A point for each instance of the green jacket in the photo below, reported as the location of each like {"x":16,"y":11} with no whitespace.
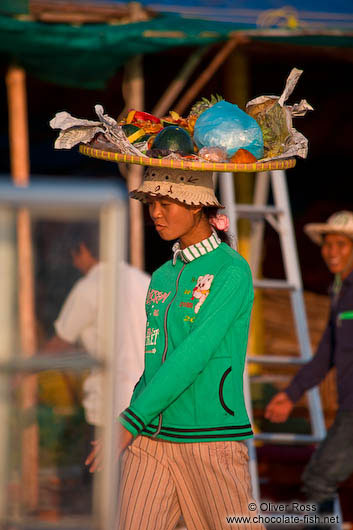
{"x":198,"y":311}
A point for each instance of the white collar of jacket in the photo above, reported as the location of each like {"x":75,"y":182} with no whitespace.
{"x":197,"y":250}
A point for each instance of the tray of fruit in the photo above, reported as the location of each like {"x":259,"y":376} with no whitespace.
{"x":216,"y":135}
{"x":186,"y":163}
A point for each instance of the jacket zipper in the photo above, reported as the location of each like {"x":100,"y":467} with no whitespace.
{"x":166,"y":341}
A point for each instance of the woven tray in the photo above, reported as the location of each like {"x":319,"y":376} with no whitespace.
{"x":186,"y":164}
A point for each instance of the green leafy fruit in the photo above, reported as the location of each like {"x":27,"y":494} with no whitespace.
{"x":200,"y":106}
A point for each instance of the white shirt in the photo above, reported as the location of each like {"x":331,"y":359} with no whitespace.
{"x":78,"y":323}
{"x":78,"y":319}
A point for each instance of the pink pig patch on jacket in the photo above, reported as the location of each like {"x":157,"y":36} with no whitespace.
{"x":202,"y":290}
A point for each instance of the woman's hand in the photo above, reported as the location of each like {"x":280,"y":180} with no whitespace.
{"x":124,"y":439}
{"x":279,"y":408}
{"x":94,"y":459}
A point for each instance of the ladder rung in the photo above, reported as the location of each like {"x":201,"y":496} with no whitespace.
{"x":287,"y":437}
{"x":255,"y":212}
{"x":275,"y":359}
{"x":38,"y":363}
{"x":273,"y":284}
{"x":269,"y":378}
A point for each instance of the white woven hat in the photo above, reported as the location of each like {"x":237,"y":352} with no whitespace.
{"x":194,"y":188}
{"x":338,"y":223}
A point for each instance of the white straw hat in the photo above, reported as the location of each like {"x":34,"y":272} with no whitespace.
{"x":338,"y":223}
{"x":194,"y":188}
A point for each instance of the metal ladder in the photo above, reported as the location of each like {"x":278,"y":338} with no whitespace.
{"x":279,"y":217}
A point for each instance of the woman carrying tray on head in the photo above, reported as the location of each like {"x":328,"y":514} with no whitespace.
{"x":185,"y":428}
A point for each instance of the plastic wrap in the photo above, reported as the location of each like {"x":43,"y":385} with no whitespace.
{"x":213,"y":154}
{"x":225,"y":125}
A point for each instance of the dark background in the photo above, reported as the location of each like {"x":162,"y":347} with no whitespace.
{"x":318,"y":186}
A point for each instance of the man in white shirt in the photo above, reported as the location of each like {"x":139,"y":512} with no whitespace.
{"x":77,"y":324}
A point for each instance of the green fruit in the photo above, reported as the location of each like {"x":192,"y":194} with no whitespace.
{"x":167,"y":123}
{"x":130,"y":130}
{"x":200,"y":106}
{"x":174,"y":138}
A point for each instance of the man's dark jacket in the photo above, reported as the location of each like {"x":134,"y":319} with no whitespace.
{"x":335,"y":349}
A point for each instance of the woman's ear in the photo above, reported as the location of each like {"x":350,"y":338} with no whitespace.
{"x":196,"y":209}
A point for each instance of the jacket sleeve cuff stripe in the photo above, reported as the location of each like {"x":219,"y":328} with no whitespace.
{"x":129,"y":424}
{"x":129,"y":411}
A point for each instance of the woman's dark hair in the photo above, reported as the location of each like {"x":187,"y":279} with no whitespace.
{"x":211,"y":211}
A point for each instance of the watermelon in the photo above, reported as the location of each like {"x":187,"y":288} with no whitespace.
{"x":134,"y":133}
{"x":174,"y":138}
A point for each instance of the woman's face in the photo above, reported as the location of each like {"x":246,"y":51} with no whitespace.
{"x":172,"y":220}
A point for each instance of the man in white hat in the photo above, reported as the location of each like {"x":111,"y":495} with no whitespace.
{"x":332,"y":462}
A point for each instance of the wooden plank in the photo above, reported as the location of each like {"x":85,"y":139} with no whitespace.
{"x":206,"y":75}
{"x":57,"y":11}
{"x":133,"y":93}
{"x":19,"y":151}
{"x":177,"y":85}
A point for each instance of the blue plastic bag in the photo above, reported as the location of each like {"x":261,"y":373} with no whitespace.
{"x":226,"y":125}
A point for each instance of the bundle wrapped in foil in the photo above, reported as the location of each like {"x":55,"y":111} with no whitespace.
{"x":281,"y":140}
{"x":75,"y":131}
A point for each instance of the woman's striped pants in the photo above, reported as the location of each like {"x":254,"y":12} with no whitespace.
{"x":208,"y":483}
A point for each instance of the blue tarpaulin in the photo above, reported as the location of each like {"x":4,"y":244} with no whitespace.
{"x":306,"y":14}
